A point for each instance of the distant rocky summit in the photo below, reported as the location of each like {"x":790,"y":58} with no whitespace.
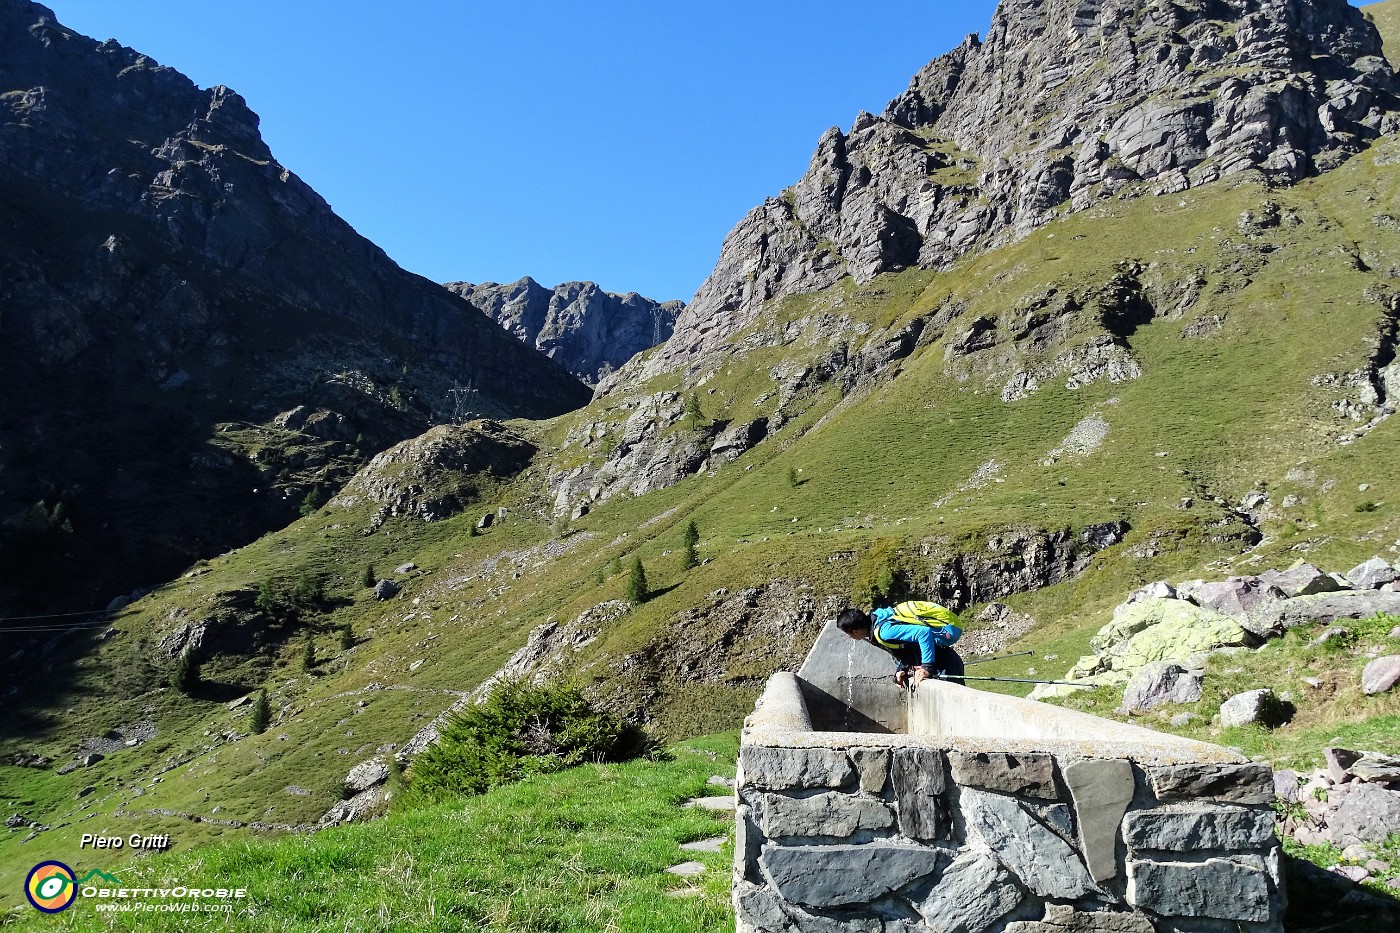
{"x":1064,"y":104}
{"x":586,"y":330}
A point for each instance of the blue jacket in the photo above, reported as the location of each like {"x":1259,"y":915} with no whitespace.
{"x":927,"y":638}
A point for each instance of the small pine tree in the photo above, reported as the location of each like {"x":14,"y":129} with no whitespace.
{"x":692,"y":540}
{"x":637,"y":592}
{"x":184,"y":676}
{"x":792,"y":477}
{"x":313,"y":501}
{"x":308,"y":656}
{"x":693,"y":412}
{"x":347,"y":637}
{"x":615,"y":566}
{"x":370,"y":578}
{"x":261,"y":715}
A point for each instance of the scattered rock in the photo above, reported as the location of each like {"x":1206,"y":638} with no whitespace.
{"x":1373,"y":766}
{"x":1368,"y":814}
{"x":712,"y":844}
{"x":365,"y":775}
{"x":90,"y":760}
{"x":1160,"y":683}
{"x":386,"y":589}
{"x":1238,"y":597}
{"x":1372,"y":574}
{"x":1380,"y":675}
{"x":402,"y":569}
{"x":715,"y":805}
{"x":1338,"y":761}
{"x":687,"y":869}
{"x":1253,"y":706}
{"x":1276,"y":617}
{"x":1302,"y":579}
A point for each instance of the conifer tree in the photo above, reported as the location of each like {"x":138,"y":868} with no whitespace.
{"x":370,"y":578}
{"x":261,"y":715}
{"x":184,"y":676}
{"x":308,"y":657}
{"x":692,"y":539}
{"x":693,"y":412}
{"x":637,"y":592}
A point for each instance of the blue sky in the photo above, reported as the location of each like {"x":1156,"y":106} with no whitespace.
{"x":614,"y":140}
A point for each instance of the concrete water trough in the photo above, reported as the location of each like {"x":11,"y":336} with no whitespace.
{"x":865,"y":807}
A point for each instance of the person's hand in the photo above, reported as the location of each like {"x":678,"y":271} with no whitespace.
{"x":920,"y":675}
{"x":901,"y":677}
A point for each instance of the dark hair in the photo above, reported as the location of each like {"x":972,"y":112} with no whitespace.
{"x":851,"y":620}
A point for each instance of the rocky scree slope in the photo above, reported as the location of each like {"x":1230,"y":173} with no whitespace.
{"x":1064,"y":104}
{"x":586,"y":330}
{"x":169,"y":288}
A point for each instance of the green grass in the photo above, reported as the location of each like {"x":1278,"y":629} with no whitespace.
{"x":580,"y":850}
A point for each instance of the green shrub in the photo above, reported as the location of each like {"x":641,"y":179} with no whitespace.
{"x":308,"y":655}
{"x":1367,"y":506}
{"x":520,"y":730}
{"x":370,"y":578}
{"x":347,"y":637}
{"x":693,"y":413}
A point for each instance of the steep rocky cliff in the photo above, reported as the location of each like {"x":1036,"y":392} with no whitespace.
{"x":1064,"y":104}
{"x":586,"y":330}
{"x":167,"y":289}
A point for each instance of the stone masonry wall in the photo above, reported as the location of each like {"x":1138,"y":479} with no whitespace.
{"x":891,"y":834}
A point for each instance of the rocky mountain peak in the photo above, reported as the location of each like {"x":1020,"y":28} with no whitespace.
{"x":1064,"y":104}
{"x":588,"y":331}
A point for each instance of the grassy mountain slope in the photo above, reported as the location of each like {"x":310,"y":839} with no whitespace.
{"x":1247,"y":310}
{"x":1220,"y":415}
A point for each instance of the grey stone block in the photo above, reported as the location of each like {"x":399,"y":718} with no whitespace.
{"x":1252,"y":706}
{"x":832,"y":876}
{"x":1219,"y":888}
{"x":1372,"y":574}
{"x":1368,"y":813}
{"x":1302,"y":579}
{"x":1380,"y":675}
{"x":795,"y":768}
{"x":1043,"y":861}
{"x":1022,"y":775}
{"x":1160,"y":683}
{"x":973,"y":893}
{"x":830,"y":814}
{"x":1237,"y":783}
{"x":1373,"y":766}
{"x":1061,"y":918}
{"x":1217,"y":828}
{"x":748,"y":843}
{"x":874,"y":767}
{"x":920,"y":782}
{"x":1101,"y":790}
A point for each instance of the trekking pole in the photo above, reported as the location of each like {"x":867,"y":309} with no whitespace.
{"x":1018,"y":680}
{"x":1000,"y":657}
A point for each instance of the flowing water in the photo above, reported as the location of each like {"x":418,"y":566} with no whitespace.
{"x":850,"y":687}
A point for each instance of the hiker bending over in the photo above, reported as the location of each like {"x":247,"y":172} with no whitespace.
{"x":916,"y":632}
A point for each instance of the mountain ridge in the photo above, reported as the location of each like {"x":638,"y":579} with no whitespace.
{"x":591,"y":332}
{"x":1064,"y":105}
